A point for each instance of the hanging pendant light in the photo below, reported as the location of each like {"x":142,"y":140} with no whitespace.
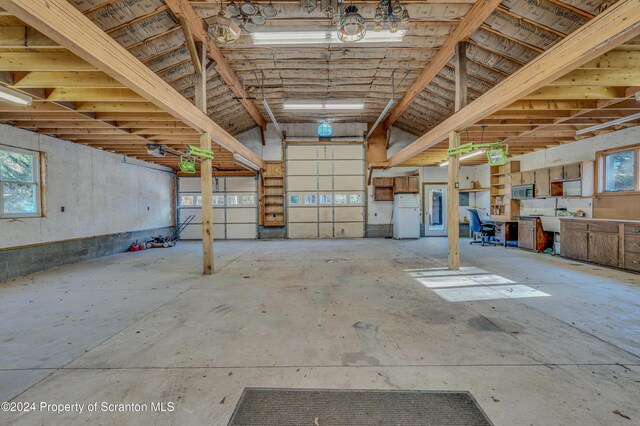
{"x":352,"y":26}
{"x":269,"y":11}
{"x":222,"y":29}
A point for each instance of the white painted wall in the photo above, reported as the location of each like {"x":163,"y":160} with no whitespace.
{"x":100,"y":193}
{"x":571,"y":153}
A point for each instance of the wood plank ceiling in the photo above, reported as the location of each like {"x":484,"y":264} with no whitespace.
{"x":514,"y":34}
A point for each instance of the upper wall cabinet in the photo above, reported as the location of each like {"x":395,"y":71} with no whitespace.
{"x":566,"y":172}
{"x":542,"y":184}
{"x":528,"y":177}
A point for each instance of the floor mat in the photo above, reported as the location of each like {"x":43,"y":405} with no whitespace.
{"x":330,"y":407}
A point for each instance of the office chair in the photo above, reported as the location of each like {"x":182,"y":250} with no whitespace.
{"x":485,"y":230}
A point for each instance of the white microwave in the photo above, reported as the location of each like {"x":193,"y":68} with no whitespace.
{"x":522,"y":192}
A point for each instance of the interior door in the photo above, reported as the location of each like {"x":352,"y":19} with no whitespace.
{"x":435,"y":210}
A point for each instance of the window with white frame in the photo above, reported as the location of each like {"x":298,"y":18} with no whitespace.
{"x":248,"y":200}
{"x":326,"y":199}
{"x":340,"y":198}
{"x":310,"y":199}
{"x":619,"y":170}
{"x":218,"y":200}
{"x":19,"y":182}
{"x":187,"y":200}
{"x":355,"y":199}
{"x":295,"y":199}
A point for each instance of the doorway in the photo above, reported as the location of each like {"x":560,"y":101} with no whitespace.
{"x":435,"y":209}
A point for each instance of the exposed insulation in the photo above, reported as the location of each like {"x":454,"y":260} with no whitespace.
{"x":120,"y":12}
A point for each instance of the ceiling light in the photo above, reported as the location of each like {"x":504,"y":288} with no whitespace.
{"x":14,"y":96}
{"x":319,"y":37}
{"x":322,"y":106}
{"x":240,"y":159}
{"x":465,"y":157}
{"x":222,"y":29}
{"x":608,"y":124}
{"x":352,"y":26}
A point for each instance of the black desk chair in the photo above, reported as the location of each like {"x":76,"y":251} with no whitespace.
{"x":485,"y":230}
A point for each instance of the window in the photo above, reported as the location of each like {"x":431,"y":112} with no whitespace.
{"x":233,"y":200}
{"x":295,"y":199}
{"x":218,"y":200}
{"x":355,"y":198}
{"x":198,"y":200}
{"x":618,"y":170}
{"x":325,"y":199}
{"x":248,"y":200}
{"x":186,"y":200}
{"x":19,"y":183}
{"x":340,"y":199}
{"x":310,"y":199}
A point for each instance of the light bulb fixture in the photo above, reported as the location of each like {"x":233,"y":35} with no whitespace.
{"x":14,"y":96}
{"x":352,"y":26}
{"x":250,"y":16}
{"x":249,"y":164}
{"x":465,"y":157}
{"x":222,"y":29}
{"x":388,"y":14}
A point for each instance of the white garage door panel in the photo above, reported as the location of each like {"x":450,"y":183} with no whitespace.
{"x":332,"y":170}
{"x":230,"y":222}
{"x":241,"y":231}
{"x":303,"y":230}
{"x":301,"y":152}
{"x":326,"y":230}
{"x":301,"y":183}
{"x":194,"y":232}
{"x":241,"y":184}
{"x":348,"y":183}
{"x":297,"y":168}
{"x":241,"y":215}
{"x":325,"y":183}
{"x":326,"y":214}
{"x":347,"y":167}
{"x":303,"y":214}
{"x":347,"y":152}
{"x":348,"y":214}
{"x":348,"y":230}
{"x":325,"y":168}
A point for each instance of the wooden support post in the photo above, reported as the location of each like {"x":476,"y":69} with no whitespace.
{"x":453,"y":205}
{"x":206,"y":167}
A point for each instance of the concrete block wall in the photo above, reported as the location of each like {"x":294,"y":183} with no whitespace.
{"x":26,"y":260}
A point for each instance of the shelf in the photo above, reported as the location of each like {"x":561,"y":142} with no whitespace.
{"x":474,"y":190}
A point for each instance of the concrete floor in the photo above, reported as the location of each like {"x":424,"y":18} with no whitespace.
{"x":147,"y":327}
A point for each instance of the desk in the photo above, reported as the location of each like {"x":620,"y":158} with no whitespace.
{"x":506,"y":230}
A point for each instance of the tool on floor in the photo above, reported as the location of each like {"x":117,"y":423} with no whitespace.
{"x":170,"y":240}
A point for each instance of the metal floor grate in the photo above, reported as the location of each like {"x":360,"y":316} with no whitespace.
{"x":332,"y":407}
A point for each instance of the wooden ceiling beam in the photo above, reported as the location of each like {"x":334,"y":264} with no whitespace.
{"x":471,"y":22}
{"x":60,"y":21}
{"x":43,"y":61}
{"x":183,"y":10}
{"x":66,"y":79}
{"x":93,"y":95}
{"x":609,"y":29}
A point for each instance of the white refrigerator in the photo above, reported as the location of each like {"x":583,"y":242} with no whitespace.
{"x":406,"y":216}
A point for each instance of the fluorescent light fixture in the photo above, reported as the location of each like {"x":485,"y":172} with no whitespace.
{"x":322,"y":106}
{"x":380,"y":117}
{"x":240,"y":159}
{"x":321,"y":37}
{"x":465,"y":157}
{"x":608,"y":124}
{"x":14,"y":96}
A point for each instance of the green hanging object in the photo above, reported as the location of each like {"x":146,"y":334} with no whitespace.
{"x":187,"y":165}
{"x":199,"y":152}
{"x":497,"y":156}
{"x":496,"y":151}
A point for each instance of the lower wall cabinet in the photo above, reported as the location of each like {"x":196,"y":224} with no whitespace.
{"x":609,"y":243}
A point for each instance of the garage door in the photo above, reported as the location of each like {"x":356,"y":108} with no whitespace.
{"x":235,"y":208}
{"x":325,"y":191}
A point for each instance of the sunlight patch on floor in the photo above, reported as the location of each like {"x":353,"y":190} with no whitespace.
{"x":471,"y":283}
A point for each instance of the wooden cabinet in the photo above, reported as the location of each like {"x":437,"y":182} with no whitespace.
{"x":406,"y":184}
{"x":556,"y":173}
{"x":527,"y":234}
{"x":604,"y":248}
{"x":574,"y":244}
{"x":542,"y":183}
{"x":573,"y":171}
{"x":515,"y":178}
{"x":608,"y":243}
{"x":528,"y":177}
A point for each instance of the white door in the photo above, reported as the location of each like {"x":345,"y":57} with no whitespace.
{"x":235,"y":208}
{"x":325,"y":191}
{"x":435,"y":210}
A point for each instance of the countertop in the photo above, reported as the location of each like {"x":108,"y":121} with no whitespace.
{"x":593,"y":219}
{"x":524,"y":216}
